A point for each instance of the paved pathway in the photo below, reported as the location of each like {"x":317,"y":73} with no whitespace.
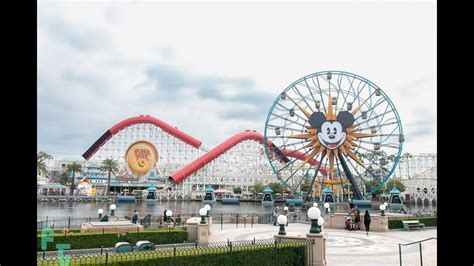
{"x":348,"y":248}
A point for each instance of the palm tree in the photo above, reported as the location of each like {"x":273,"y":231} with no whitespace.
{"x":392,"y":159}
{"x":74,"y":168}
{"x":40,"y":162}
{"x":407,"y":156}
{"x":110,"y":166}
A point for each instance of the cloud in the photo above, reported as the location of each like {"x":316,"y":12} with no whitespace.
{"x":101,"y":63}
{"x":78,"y":36}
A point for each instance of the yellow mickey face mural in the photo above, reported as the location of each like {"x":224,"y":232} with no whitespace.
{"x":141,"y":157}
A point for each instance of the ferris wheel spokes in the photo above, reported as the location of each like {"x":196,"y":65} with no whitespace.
{"x":333,"y":93}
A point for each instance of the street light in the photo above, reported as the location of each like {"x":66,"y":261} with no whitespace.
{"x":208,"y":209}
{"x":168,"y":215}
{"x":314,"y":213}
{"x":112,"y":209}
{"x":203,"y":213}
{"x":326,"y":206}
{"x":382,"y":209}
{"x":320,"y":223}
{"x":100,"y":211}
{"x":282,"y":221}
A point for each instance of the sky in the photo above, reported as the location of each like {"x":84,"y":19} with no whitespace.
{"x":214,"y":69}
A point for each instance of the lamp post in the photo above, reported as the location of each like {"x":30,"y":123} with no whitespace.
{"x":320,"y":223}
{"x":326,"y":206}
{"x":314,"y":213}
{"x":112,"y":209}
{"x":100,"y":211}
{"x":168,"y":215}
{"x":208,"y":209}
{"x":382,"y":210}
{"x":282,"y":220}
{"x":203,"y":213}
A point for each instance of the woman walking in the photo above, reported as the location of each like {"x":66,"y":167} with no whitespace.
{"x":367,"y":221}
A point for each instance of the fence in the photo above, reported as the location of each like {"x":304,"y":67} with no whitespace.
{"x":421,"y":252}
{"x":101,"y":251}
{"x":247,"y":252}
{"x":64,"y":222}
{"x":242,"y":219}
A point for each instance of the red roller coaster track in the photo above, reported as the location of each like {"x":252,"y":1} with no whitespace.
{"x":142,"y":119}
{"x":200,"y":162}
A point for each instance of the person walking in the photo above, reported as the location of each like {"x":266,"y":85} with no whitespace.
{"x":367,"y":221}
{"x":178,"y":220}
{"x":164,"y":216}
{"x":357,"y":220}
{"x":275,"y":215}
{"x":135,"y":217}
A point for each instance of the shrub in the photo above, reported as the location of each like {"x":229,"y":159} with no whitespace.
{"x":397,"y":224}
{"x":96,"y":240}
{"x":267,"y":254}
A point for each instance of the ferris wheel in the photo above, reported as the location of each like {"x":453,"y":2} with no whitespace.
{"x":343,"y":129}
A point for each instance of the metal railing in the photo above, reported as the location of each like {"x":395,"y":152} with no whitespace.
{"x":255,"y":252}
{"x":243,"y":219}
{"x":239,"y":219}
{"x":64,"y":222}
{"x":412,"y":243}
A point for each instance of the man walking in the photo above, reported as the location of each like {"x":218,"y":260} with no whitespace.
{"x":275,"y":215}
{"x":135,"y":217}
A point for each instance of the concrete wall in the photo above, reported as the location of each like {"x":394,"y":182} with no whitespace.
{"x":337,"y":221}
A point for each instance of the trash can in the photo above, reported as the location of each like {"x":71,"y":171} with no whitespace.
{"x":121,"y":247}
{"x":144,"y":246}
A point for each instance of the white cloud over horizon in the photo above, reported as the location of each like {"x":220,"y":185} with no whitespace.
{"x":222,"y":64}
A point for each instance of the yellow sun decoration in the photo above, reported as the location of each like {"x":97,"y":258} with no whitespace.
{"x":317,"y":147}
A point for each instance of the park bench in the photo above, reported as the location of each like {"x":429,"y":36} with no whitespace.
{"x":412,"y":223}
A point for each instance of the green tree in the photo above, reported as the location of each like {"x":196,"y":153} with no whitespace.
{"x":394,"y":183}
{"x":41,"y":158}
{"x":110,"y":166}
{"x":64,"y":179}
{"x":74,"y":168}
{"x":392,"y":158}
{"x":238,"y":190}
{"x":276,"y":187}
{"x":305,"y":185}
{"x":258,"y":187}
{"x":371,"y":184}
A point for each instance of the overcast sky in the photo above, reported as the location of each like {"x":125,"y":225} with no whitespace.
{"x":214,"y":69}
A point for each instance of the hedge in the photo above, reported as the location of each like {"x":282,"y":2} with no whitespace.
{"x":268,"y":254}
{"x":60,"y":230}
{"x":396,"y":224}
{"x":96,"y":240}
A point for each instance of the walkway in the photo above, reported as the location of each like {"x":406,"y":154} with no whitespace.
{"x":347,"y":248}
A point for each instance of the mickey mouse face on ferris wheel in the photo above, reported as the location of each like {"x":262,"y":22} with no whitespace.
{"x":331,"y":133}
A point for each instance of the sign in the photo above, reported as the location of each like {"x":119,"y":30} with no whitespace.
{"x":126,"y":178}
{"x":141,"y":157}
